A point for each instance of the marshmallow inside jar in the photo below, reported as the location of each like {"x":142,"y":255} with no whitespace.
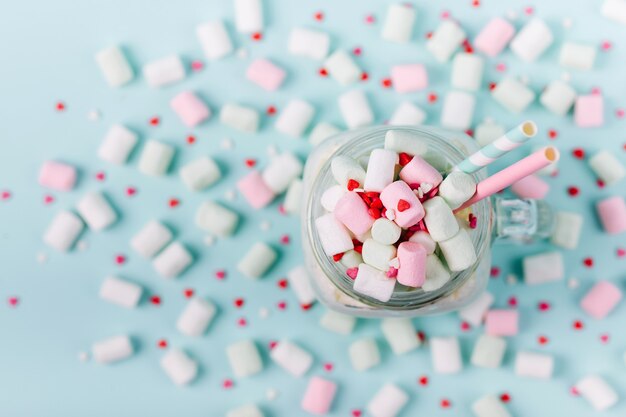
{"x":397,"y":276}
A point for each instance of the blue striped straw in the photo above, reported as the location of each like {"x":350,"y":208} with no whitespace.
{"x":505,"y":143}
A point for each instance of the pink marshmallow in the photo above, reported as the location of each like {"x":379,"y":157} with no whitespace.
{"x":601,"y":299}
{"x":501,"y":322}
{"x":531,"y":187}
{"x":352,"y":211}
{"x":412,"y":259}
{"x":319,"y":396}
{"x":57,"y":176}
{"x":589,"y":111}
{"x":265,"y":74}
{"x":391,"y":196}
{"x":494,"y":36}
{"x":409,"y":78}
{"x":191,"y":110}
{"x":255,"y":191}
{"x":418,"y":171}
{"x":612,"y":213}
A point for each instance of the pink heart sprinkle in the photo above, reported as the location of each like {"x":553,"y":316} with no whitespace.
{"x":221,"y":274}
{"x":501,"y":67}
{"x":197,"y":65}
{"x":621,"y":252}
{"x":356,"y":413}
{"x":120,"y":259}
{"x":5,"y":195}
{"x":352,"y":272}
{"x":445,"y":14}
{"x":285,"y":239}
{"x":100,"y":176}
{"x":513,"y":301}
{"x":13,"y":301}
{"x":543,"y":306}
{"x":328,"y":367}
{"x":620,"y":113}
{"x":370,"y":19}
{"x":281,"y":210}
{"x":131,"y":191}
{"x":574,"y":391}
{"x":529,"y":11}
{"x":242,"y":322}
{"x":357,"y":51}
{"x":606,"y":45}
{"x":48,"y":199}
{"x":282,"y":305}
{"x":465,"y":326}
{"x":604,"y":338}
{"x":596,"y":90}
{"x":228,"y":383}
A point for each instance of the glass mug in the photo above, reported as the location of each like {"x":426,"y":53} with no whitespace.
{"x":504,"y":219}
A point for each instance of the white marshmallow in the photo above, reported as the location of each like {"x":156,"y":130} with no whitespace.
{"x":244,"y":119}
{"x":120,"y":292}
{"x":535,"y":365}
{"x":607,"y":167}
{"x":558,"y":97}
{"x":398,"y":25}
{"x":214,"y":40}
{"x":597,"y":392}
{"x":114,"y":66}
{"x":543,"y":268}
{"x":156,"y":158}
{"x":459,"y":251}
{"x":513,"y":95}
{"x":309,"y":43}
{"x":489,"y":406}
{"x":248,"y":16}
{"x":487,"y":132}
{"x":445,"y":40}
{"x":437,"y":275}
{"x":333,"y":235}
{"x":179,"y":367}
{"x":424,"y":239}
{"x":200,"y":173}
{"x":257,"y":261}
{"x":293,"y":197}
{"x":532,"y":40}
{"x":474,"y":313}
{"x":351,"y":259}
{"x":407,"y":142}
{"x":112,"y":350}
{"x":446,"y":355}
{"x":407,"y":114}
{"x":387,"y":402}
{"x":355,"y":109}
{"x":577,"y":56}
{"x":380,"y":169}
{"x":614,"y":10}
{"x":457,"y":188}
{"x":458,"y":110}
{"x":385,"y":231}
{"x":196,"y":317}
{"x":292,"y":358}
{"x":281,"y":171}
{"x":337,"y":322}
{"x":245,"y":411}
{"x":331,"y":196}
{"x":364,"y":354}
{"x":400,"y":334}
{"x":63,"y":231}
{"x":467,"y":71}
{"x":377,"y":254}
{"x":117,"y":145}
{"x":373,"y":283}
{"x":295,"y":118}
{"x":321,"y":132}
{"x":488,"y":351}
{"x":164,"y":71}
{"x":567,"y":227}
{"x":345,"y":169}
{"x":151,"y":239}
{"x":342,"y":68}
{"x":244,"y":358}
{"x":300,"y":283}
{"x":96,"y":211}
{"x":172,"y":261}
{"x":440,"y":220}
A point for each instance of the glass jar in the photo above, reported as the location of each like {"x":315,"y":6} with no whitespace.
{"x":518,"y":220}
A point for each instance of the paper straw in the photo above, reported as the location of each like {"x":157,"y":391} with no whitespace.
{"x":521,"y":169}
{"x":505,"y":143}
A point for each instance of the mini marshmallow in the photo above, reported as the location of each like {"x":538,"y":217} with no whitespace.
{"x":120,"y":292}
{"x":534,"y":365}
{"x":321,"y":132}
{"x":245,"y":411}
{"x":345,"y":169}
{"x":532,"y":40}
{"x":531,"y":187}
{"x":441,"y":223}
{"x":117,"y":145}
{"x":373,"y":283}
{"x":558,"y":97}
{"x":409,"y":78}
{"x":364,"y":354}
{"x":380,"y":169}
{"x":151,"y":239}
{"x":407,"y":142}
{"x":543,"y":268}
{"x":567,"y":228}
{"x":467,"y":71}
{"x":400,"y":334}
{"x":489,"y":406}
{"x":502,"y":322}
{"x":412,"y":270}
{"x":342,"y":67}
{"x":255,"y":190}
{"x":614,"y":10}
{"x":601,"y":299}
{"x":190,"y":109}
{"x":244,"y":358}
{"x":612,"y":214}
{"x":488,"y":351}
{"x":337,"y":322}
{"x":293,"y":197}
{"x":424,"y":239}
{"x":295,"y":118}
{"x":458,"y":110}
{"x":457,"y":188}
{"x":494,"y":36}
{"x":607,"y":167}
{"x":248,"y":16}
{"x":331,"y":196}
{"x":319,"y":395}
{"x":300,"y":283}
{"x":353,"y":213}
{"x":597,"y":392}
{"x":214,"y":40}
{"x":216,"y":219}
{"x":487,"y":132}
{"x":398,"y":25}
{"x":407,"y":114}
{"x":266,"y":74}
{"x":96,"y":211}
{"x":577,"y":56}
{"x":589,"y":111}
{"x":385,"y":231}
{"x":112,"y":350}
{"x":281,"y":171}
{"x":355,"y":109}
{"x":179,"y":367}
{"x":200,"y":173}
{"x":333,"y":235}
{"x":387,"y":402}
{"x":446,"y":355}
{"x":445,"y":40}
{"x":257,"y":261}
{"x":114,"y":66}
{"x":164,"y":71}
{"x":458,"y":251}
{"x":57,"y":176}
{"x":309,"y":43}
{"x":156,"y":158}
{"x":196,"y":317}
{"x":474,"y":312}
{"x":351,"y":259}
{"x":513,"y":95}
{"x":63,"y":231}
{"x":437,"y":275}
{"x":244,"y":119}
{"x":378,"y":255}
{"x":172,"y":261}
{"x":291,"y":357}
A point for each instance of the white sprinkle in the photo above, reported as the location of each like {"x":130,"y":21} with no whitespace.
{"x":82,"y":245}
{"x":489,"y":119}
{"x":228,"y":143}
{"x":395,"y":262}
{"x":209,"y":240}
{"x":272,"y":151}
{"x":426,"y":187}
{"x":264,"y":312}
{"x":524,"y":79}
{"x":511,"y":14}
{"x":390,"y":214}
{"x":272,"y":394}
{"x":42,"y":257}
{"x":242,"y":53}
{"x":566,"y":76}
{"x":359,"y":190}
{"x":94,"y":115}
{"x":265,"y":225}
{"x":567,"y":22}
{"x":511,"y":279}
{"x":83,"y":356}
{"x":572,"y":283}
{"x":230,"y":195}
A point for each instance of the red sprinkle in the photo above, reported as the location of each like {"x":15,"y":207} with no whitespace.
{"x":386,"y":82}
{"x":377,"y":203}
{"x":257,"y":36}
{"x":322,"y":72}
{"x":423,"y":380}
{"x":404,"y":158}
{"x":473,"y":221}
{"x":60,"y":106}
{"x":188,"y":293}
{"x":319,"y":16}
{"x":552,"y":134}
{"x":154,"y":121}
{"x":432,"y":98}
{"x":573,"y":191}
{"x":445,"y":403}
{"x":352,"y":272}
{"x":271,"y":110}
{"x":543,"y":306}
{"x":337,"y":257}
{"x":374,"y":213}
{"x":352,"y":184}
{"x":173,"y":202}
{"x":505,"y":397}
{"x":543,"y":340}
{"x":238,"y":302}
{"x":392,"y":272}
{"x":588,"y":262}
{"x":578,"y":153}
{"x":156,"y":300}
{"x":162,"y":344}
{"x":403,"y":205}
{"x":578,"y":325}
{"x":364,"y":76}
{"x":191,"y":139}
{"x":282,"y":283}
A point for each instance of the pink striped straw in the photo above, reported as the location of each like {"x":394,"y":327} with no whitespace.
{"x":510,"y":175}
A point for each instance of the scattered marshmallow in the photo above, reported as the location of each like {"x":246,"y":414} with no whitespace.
{"x":446,"y":355}
{"x":190,"y":109}
{"x":196,"y":317}
{"x":117,"y":145}
{"x":266,"y":74}
{"x":293,"y":197}
{"x":502,"y":322}
{"x":114,"y":66}
{"x":614,"y":10}
{"x":577,"y":56}
{"x":494,"y":37}
{"x":597,"y":392}
{"x":513,"y":95}
{"x":445,"y":40}
{"x":457,"y":188}
{"x":255,"y":190}
{"x":373,"y":283}
{"x":200,"y":173}
{"x":281,"y":171}
{"x":319,"y":395}
{"x":244,"y":119}
{"x":601,"y":299}
{"x":63,"y":231}
{"x":380,"y":169}
{"x":612,"y":214}
{"x":355,"y":109}
{"x":172,"y":261}
{"x":321,"y":132}
{"x":467,"y":71}
{"x":400,"y":334}
{"x":96,"y":211}
{"x":607,"y":167}
{"x":248,"y":16}
{"x":489,"y":406}
{"x":120,"y":292}
{"x":589,"y":111}
{"x":402,"y":141}
{"x":300,"y":283}
{"x":488,"y":351}
{"x":151,"y":239}
{"x":156,"y":158}
{"x":214,"y":40}
{"x":532,"y":40}
{"x":408,"y":78}
{"x":543,"y":268}
{"x":337,"y":322}
{"x":407,"y":114}
{"x":333,"y":235}
{"x":244,"y":358}
{"x":387,"y":402}
{"x":534,"y":365}
{"x":179,"y":367}
{"x":458,"y":110}
{"x":112,"y":350}
{"x":558,"y":97}
{"x":440,"y":220}
{"x":378,"y":255}
{"x":342,"y":68}
{"x":164,"y":71}
{"x":364,"y":354}
{"x":295,"y":118}
{"x":398,"y":26}
{"x":292,"y":358}
{"x":487,"y":132}
{"x":245,"y":411}
{"x":474,"y":313}
{"x":309,"y":43}
{"x":567,"y":228}
{"x":257,"y":261}
{"x":57,"y":176}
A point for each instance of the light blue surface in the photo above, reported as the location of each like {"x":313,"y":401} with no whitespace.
{"x":47,"y":50}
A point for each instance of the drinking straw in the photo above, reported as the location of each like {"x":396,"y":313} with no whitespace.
{"x":505,"y":143}
{"x":523,"y":168}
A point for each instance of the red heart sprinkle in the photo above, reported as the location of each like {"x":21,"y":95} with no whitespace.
{"x":476,"y":3}
{"x":370,"y":19}
{"x":5,"y":195}
{"x":131,"y":191}
{"x":242,"y":322}
{"x":578,"y":153}
{"x":220,"y":274}
{"x":191,"y":139}
{"x":306,"y":307}
{"x":162,"y":344}
{"x":154,"y":121}
{"x":374,"y":213}
{"x":542,"y":340}
{"x":155,"y":299}
{"x":100,"y":176}
{"x":48,"y":199}
{"x":352,"y":272}
{"x":188,"y":293}
{"x":271,"y":110}
{"x":282,"y":283}
{"x":421,"y":336}
{"x":505,"y":397}
{"x":281,"y":305}
{"x":257,"y":36}
{"x":352,"y":184}
{"x":600,"y":183}
{"x":319,"y":16}
{"x":513,"y":301}
{"x":492,"y":86}
{"x":228,"y":383}
{"x":337,"y":257}
{"x":197,"y":65}
{"x":173,"y":202}
{"x":428,"y":35}
{"x":588,"y":262}
{"x":423,"y":380}
{"x":250,"y":162}
{"x":552,"y":134}
{"x":13,"y":301}
{"x":120,"y":259}
{"x":445,"y":403}
{"x":285,"y":239}
{"x":578,"y":325}
{"x":543,"y":306}
{"x":432,"y":98}
{"x":357,"y":51}
{"x":574,"y":391}
{"x":272,"y":344}
{"x":356,"y":413}
{"x":386,"y":82}
{"x":328,"y":367}
{"x":465,"y":326}
{"x":60,"y":106}
{"x":621,"y":253}
{"x":403,"y":205}
{"x":495,"y":271}
{"x":604,"y":338}
{"x":404,"y":158}
{"x":239,"y":302}
{"x":364,"y":76}
{"x":323,"y":72}
{"x":573,"y":191}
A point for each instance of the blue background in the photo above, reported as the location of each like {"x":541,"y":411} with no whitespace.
{"x":47,"y":52}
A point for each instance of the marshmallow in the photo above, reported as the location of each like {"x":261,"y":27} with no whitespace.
{"x":407,"y":114}
{"x":281,"y":171}
{"x":400,"y":334}
{"x":385,"y":231}
{"x":489,"y":406}
{"x":352,"y":211}
{"x":190,"y":109}
{"x":248,"y":16}
{"x":457,"y":188}
{"x":179,"y":367}
{"x":196,"y":317}
{"x":172,"y":261}
{"x":257,"y":261}
{"x":558,"y":97}
{"x":474,"y":312}
{"x":534,"y":365}
{"x":164,"y":71}
{"x":446,"y":355}
{"x":445,"y":40}
{"x":295,"y":118}
{"x":57,"y":176}
{"x":398,"y":25}
{"x":345,"y":169}
{"x":407,"y":142}
{"x":488,"y":351}
{"x":214,"y":40}
{"x":380,"y":169}
{"x":96,"y":211}
{"x":216,"y":219}
{"x":120,"y":292}
{"x":114,"y":66}
{"x":245,"y":411}
{"x":567,"y":227}
{"x":364,"y":354}
{"x":254,"y":190}
{"x":112,"y":350}
{"x":331,"y":196}
{"x":355,"y":109}
{"x":266,"y":74}
{"x":378,"y":255}
{"x":292,"y":358}
{"x":612,"y":214}
{"x":321,"y":132}
{"x":437,"y":275}
{"x":597,"y":392}
{"x":200,"y":173}
{"x":614,"y":10}
{"x":244,"y":119}
{"x":63,"y":231}
{"x":424,"y":239}
{"x":607,"y":167}
{"x":293,"y":197}
{"x":458,"y":110}
{"x":442,"y":224}
{"x":244,"y":358}
{"x":601,"y":299}
{"x":577,"y":56}
{"x":589,"y":111}
{"x":337,"y":322}
{"x":543,"y":268}
{"x":412,"y":258}
{"x":494,"y":36}
{"x":374,"y":283}
{"x":467,"y":71}
{"x":151,"y":239}
{"x":387,"y":402}
{"x":333,"y":235}
{"x":502,"y":322}
{"x":300,"y":283}
{"x":409,"y":78}
{"x":532,"y":40}
{"x":531,"y":187}
{"x":156,"y":158}
{"x":342,"y":68}
{"x":513,"y":95}
{"x":319,"y":395}
{"x":309,"y":43}
{"x":487,"y":132}
{"x":117,"y":144}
